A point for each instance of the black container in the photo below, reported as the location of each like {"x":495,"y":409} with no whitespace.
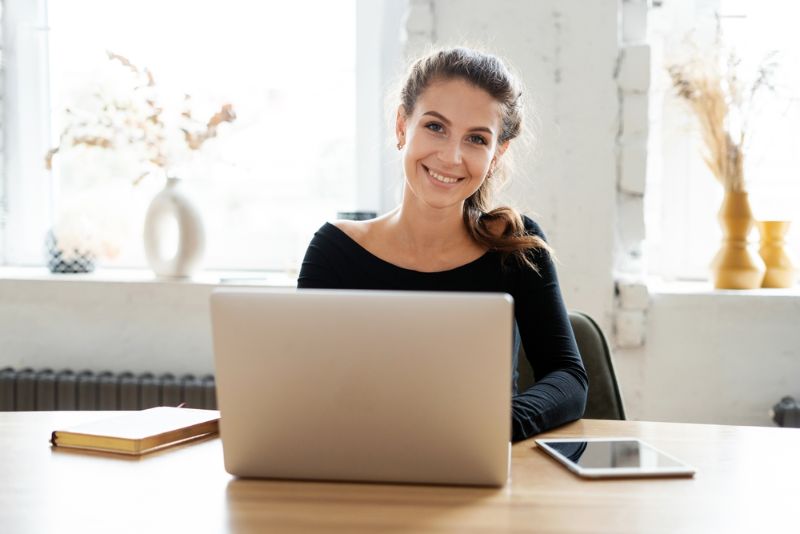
{"x":57,"y":262}
{"x":356,"y":215}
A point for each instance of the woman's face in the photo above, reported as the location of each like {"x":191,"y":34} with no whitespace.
{"x":450,"y":142}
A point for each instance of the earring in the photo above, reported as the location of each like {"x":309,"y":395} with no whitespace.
{"x":400,"y":145}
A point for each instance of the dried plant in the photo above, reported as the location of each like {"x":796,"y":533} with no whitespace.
{"x":136,"y":120}
{"x":722,"y":104}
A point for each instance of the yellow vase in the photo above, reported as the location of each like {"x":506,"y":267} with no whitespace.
{"x":735,"y":266}
{"x":780,"y":272}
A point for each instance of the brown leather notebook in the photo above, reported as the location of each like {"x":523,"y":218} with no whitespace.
{"x":139,"y":432}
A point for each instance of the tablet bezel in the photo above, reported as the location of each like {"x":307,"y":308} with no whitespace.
{"x":683,"y":470}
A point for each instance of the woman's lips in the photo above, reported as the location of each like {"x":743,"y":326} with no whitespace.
{"x":440,"y":179}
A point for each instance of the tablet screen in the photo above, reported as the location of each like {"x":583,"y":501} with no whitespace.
{"x":614,"y":457}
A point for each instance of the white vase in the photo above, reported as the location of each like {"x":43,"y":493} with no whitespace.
{"x":172,"y":204}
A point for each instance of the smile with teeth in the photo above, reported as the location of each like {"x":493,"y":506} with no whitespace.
{"x":443,"y":179}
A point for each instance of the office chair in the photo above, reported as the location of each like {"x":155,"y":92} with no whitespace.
{"x":604,"y":399}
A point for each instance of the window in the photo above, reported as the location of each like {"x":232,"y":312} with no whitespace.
{"x":263,"y":185}
{"x":683,"y":196}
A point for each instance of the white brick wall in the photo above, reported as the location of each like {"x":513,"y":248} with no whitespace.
{"x":419,"y":27}
{"x":633,"y":80}
{"x":633,"y":168}
{"x":634,"y":68}
{"x":2,"y":148}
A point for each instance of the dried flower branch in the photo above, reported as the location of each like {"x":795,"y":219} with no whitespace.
{"x":137,"y":121}
{"x":195,"y":139}
{"x":722,"y":104}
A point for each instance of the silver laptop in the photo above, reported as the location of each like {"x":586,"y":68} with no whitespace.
{"x":378,"y":386}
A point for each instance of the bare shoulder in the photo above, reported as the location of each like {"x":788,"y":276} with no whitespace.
{"x":358,"y":231}
{"x":370,"y":234}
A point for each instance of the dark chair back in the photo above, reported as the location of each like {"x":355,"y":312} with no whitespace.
{"x":604,"y":400}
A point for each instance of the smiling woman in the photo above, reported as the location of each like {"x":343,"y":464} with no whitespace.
{"x":458,"y":114}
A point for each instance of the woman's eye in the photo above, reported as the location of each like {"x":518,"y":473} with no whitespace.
{"x":434,"y":127}
{"x":477,"y":139}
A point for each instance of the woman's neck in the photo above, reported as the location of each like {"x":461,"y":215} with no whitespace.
{"x":426,"y":230}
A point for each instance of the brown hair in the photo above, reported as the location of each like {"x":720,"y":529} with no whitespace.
{"x":501,"y":228}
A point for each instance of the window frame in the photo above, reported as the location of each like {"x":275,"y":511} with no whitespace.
{"x":682,"y":196}
{"x":27,"y":205}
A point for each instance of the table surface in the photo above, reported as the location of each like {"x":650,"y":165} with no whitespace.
{"x":748,"y":479}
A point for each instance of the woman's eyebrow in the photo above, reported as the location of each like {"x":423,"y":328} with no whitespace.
{"x":448,"y":123}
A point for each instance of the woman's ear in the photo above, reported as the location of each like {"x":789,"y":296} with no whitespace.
{"x":400,"y":126}
{"x":501,"y":149}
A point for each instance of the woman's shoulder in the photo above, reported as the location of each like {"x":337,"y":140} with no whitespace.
{"x":371,"y":235}
{"x":331,"y":239}
{"x":340,"y":232}
{"x":532,"y":227}
{"x":355,"y":230}
{"x":499,"y":225}
{"x":359,"y":238}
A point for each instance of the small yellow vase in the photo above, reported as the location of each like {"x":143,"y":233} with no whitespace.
{"x":735,"y":266}
{"x":780,"y":272}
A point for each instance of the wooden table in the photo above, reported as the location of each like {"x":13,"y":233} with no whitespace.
{"x":748,"y":480}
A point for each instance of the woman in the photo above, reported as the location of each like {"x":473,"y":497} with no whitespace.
{"x":459,"y":111}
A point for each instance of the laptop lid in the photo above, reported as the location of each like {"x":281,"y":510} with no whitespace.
{"x":364,"y":385}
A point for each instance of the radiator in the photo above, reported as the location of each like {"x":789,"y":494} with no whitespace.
{"x":45,"y":389}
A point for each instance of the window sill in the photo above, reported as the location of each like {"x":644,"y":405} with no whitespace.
{"x":145,"y":276}
{"x":657,"y":286}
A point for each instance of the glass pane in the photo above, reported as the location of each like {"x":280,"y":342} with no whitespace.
{"x":772,"y":165}
{"x":613,"y":454}
{"x":268,"y":179}
{"x":683,"y":197}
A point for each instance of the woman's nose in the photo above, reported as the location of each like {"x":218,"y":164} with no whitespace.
{"x":450,"y":153}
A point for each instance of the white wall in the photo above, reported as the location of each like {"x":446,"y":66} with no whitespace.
{"x":714,"y":357}
{"x":707,"y":357}
{"x":116,"y":326}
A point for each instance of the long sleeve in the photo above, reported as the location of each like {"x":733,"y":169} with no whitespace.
{"x":559,"y":394}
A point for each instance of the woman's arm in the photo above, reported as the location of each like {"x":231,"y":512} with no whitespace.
{"x":559,"y":394}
